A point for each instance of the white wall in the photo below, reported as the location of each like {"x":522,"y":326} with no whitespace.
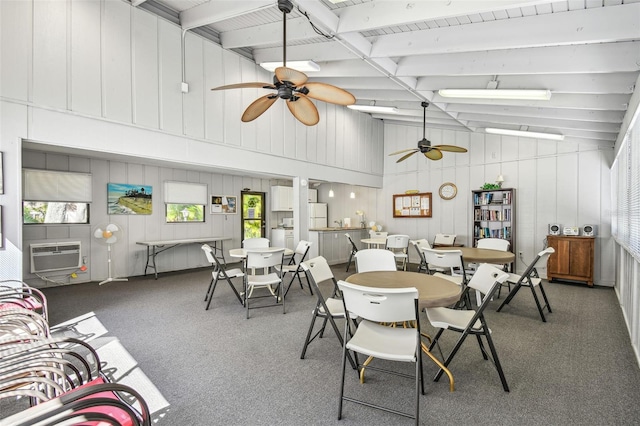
{"x":99,"y":76}
{"x":563,"y":182}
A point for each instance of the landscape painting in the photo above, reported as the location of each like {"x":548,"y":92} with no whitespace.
{"x":124,"y":198}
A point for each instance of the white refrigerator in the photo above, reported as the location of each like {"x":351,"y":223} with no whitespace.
{"x":317,"y":215}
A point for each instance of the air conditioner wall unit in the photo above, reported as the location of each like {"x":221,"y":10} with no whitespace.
{"x":55,"y":256}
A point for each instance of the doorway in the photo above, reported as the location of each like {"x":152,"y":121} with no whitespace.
{"x":253,"y":215}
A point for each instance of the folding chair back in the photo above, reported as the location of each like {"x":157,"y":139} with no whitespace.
{"x":378,"y":234}
{"x":319,"y":269}
{"x":379,"y":304}
{"x":486,"y":279}
{"x":264,"y":259}
{"x":444,"y":239}
{"x":375,"y":260}
{"x":251,"y":243}
{"x":494,"y":244}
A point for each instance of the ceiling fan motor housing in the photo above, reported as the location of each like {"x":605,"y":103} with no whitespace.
{"x":285,"y":6}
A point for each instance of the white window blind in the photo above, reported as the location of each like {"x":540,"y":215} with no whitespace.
{"x":49,"y":185}
{"x":185,"y":193}
{"x":626,"y":187}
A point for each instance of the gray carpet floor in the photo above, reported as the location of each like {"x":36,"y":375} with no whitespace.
{"x":217,"y":368}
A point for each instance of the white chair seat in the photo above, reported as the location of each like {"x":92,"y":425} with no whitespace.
{"x":451,"y":318}
{"x":384,"y":342}
{"x":232,"y":273}
{"x":287,"y":268}
{"x":514,"y":278}
{"x":263,"y":280}
{"x":336,"y":307}
{"x":453,"y":278}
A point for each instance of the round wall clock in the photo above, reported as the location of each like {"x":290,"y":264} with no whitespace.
{"x":448,"y":190}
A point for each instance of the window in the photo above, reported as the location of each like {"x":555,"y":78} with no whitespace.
{"x":181,"y":213}
{"x":48,"y":212}
{"x":626,"y":189}
{"x":55,"y":197}
{"x":184,"y":202}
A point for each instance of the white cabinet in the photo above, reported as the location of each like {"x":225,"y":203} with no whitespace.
{"x":282,"y":238}
{"x":281,"y":199}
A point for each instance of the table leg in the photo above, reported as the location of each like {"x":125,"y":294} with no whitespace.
{"x":426,"y":350}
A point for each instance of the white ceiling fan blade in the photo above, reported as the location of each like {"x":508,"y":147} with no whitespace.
{"x":112,"y":227}
{"x":112,"y":239}
{"x":97,"y":233}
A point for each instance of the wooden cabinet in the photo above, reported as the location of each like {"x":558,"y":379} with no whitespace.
{"x":281,"y":199}
{"x":282,"y":238}
{"x":573,"y":259}
{"x":312,"y":195}
{"x":494,"y":215}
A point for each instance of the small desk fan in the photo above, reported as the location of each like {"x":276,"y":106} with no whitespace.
{"x":109,"y":235}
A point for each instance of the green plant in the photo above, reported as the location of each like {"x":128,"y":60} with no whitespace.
{"x":490,"y":186}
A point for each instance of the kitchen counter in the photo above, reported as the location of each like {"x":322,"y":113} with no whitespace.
{"x":332,"y":243}
{"x":335,"y":229}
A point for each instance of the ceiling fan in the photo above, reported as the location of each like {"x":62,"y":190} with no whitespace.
{"x":291,"y":85}
{"x":424,"y":146}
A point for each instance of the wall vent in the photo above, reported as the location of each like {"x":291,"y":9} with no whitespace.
{"x":55,"y":256}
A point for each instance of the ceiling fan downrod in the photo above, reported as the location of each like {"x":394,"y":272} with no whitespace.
{"x":285,"y":6}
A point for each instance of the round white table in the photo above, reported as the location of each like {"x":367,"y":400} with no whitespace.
{"x":241,"y":253}
{"x":432,"y":292}
{"x":374,"y":242}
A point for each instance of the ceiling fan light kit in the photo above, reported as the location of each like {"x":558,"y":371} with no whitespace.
{"x":306,"y":66}
{"x":525,"y":134}
{"x":374,"y":108}
{"x":424,"y":146}
{"x":526,"y":94}
{"x":291,"y":85}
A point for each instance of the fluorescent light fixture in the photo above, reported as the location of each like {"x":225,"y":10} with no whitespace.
{"x":337,"y":1}
{"x":538,"y":95}
{"x":374,"y":108}
{"x":306,"y":66}
{"x":525,"y":134}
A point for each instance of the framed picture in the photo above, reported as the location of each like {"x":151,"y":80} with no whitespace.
{"x":124,"y":198}
{"x":224,"y":204}
{"x":412,"y":205}
{"x":1,"y":237}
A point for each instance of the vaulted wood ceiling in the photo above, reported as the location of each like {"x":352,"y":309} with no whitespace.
{"x":399,"y":53}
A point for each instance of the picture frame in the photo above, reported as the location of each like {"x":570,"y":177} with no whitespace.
{"x":224,"y":204}
{"x":125,"y":198}
{"x":1,"y":236}
{"x":412,"y":205}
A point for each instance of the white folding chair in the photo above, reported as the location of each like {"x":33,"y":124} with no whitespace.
{"x":470,"y":322}
{"x":446,"y":261}
{"x":219,"y":272}
{"x":302,"y":249}
{"x":531,"y":279}
{"x":399,"y":246}
{"x":329,"y":309}
{"x":419,"y":245}
{"x":375,"y":260}
{"x":373,"y":339}
{"x":354,"y":250}
{"x":267,"y":260}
